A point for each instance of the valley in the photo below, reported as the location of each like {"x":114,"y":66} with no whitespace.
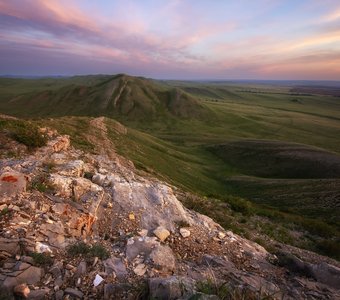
{"x":265,"y":149}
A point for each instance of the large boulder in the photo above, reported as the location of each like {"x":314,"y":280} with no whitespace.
{"x":156,"y":201}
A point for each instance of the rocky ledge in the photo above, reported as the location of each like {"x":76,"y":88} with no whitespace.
{"x":75,"y":225}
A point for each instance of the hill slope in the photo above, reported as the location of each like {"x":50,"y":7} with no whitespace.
{"x":121,"y":96}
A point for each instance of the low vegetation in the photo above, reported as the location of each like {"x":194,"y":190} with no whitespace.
{"x":85,"y":250}
{"x":261,"y":158}
{"x":227,"y":291}
{"x":41,"y":259}
{"x":23,"y":132}
{"x":41,"y":183}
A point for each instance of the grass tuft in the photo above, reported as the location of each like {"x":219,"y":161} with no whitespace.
{"x":86,"y":250}
{"x":24,"y":132}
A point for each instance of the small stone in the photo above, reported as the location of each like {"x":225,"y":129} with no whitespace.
{"x":37,"y":294}
{"x":42,"y":248}
{"x":74,"y":293}
{"x":109,"y":290}
{"x":95,"y":261}
{"x":132,"y":216}
{"x":221,"y":235}
{"x":81,"y":269}
{"x":163,"y":257}
{"x":22,"y":290}
{"x":143,"y":232}
{"x":58,"y":282}
{"x":59,"y":295}
{"x":55,"y":271}
{"x":3,"y":207}
{"x":115,"y":265}
{"x":161,"y":233}
{"x":69,"y":267}
{"x":184,"y":232}
{"x":27,"y":259}
{"x":140,"y":270}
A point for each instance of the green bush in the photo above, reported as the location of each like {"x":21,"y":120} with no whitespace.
{"x":98,"y":250}
{"x":83,"y":249}
{"x":41,"y":259}
{"x":241,"y":205}
{"x":209,"y":287}
{"x":318,"y":227}
{"x":330,"y":248}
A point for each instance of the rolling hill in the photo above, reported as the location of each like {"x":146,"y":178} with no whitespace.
{"x":276,"y":151}
{"x":121,"y":96}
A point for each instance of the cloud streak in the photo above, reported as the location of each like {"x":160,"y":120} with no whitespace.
{"x":182,"y":39}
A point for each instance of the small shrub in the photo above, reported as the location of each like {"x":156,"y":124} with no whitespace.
{"x":41,"y":184}
{"x":182,"y":223}
{"x":83,"y":249}
{"x":4,"y":212}
{"x":88,"y":175}
{"x":330,"y":248}
{"x":209,"y":287}
{"x":98,"y":250}
{"x":41,"y":259}
{"x":241,"y":205}
{"x":49,"y":165}
{"x":79,"y":248}
{"x":318,"y":227}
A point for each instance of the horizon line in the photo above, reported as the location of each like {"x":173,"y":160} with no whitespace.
{"x":162,"y":79}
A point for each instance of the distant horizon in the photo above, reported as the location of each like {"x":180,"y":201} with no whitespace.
{"x":168,"y":79}
{"x":190,"y":40}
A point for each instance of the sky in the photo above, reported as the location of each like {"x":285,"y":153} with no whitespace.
{"x":172,"y":39}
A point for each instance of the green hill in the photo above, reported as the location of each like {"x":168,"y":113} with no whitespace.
{"x":276,"y":151}
{"x":121,"y":96}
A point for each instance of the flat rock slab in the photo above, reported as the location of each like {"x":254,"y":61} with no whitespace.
{"x":138,"y":245}
{"x":12,"y":183}
{"x":32,"y":275}
{"x":170,"y":288}
{"x":9,"y":245}
{"x":116,"y":265}
{"x":74,"y":293}
{"x":163,"y":258}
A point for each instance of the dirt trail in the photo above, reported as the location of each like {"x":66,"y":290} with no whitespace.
{"x":98,"y":137}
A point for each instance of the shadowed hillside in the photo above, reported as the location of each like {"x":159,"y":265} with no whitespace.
{"x":274,"y":159}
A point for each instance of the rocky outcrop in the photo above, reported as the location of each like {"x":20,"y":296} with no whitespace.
{"x":12,"y":183}
{"x":86,"y":226}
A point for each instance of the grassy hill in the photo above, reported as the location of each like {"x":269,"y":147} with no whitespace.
{"x":276,"y":150}
{"x":123,"y":97}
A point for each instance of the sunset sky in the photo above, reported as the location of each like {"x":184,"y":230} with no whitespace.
{"x":178,"y":39}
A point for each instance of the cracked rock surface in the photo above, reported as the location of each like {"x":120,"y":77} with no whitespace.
{"x":74,"y":225}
